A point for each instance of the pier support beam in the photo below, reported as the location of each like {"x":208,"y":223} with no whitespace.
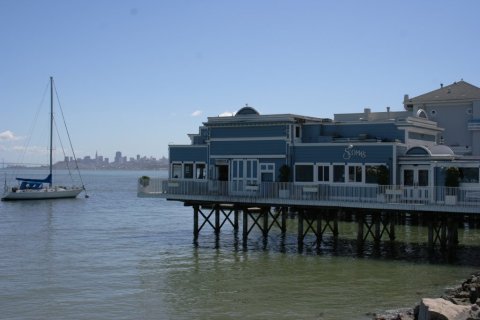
{"x":217,"y":219}
{"x":195,"y":223}
{"x":360,"y":220}
{"x":235,"y":219}
{"x":245,"y":225}
{"x":376,"y":224}
{"x":284,"y":211}
{"x":318,"y":223}
{"x":442,"y":229}
{"x":300,"y":229}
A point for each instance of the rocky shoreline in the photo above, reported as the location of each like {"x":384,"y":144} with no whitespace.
{"x":459,"y":303}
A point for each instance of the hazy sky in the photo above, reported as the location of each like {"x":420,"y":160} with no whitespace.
{"x":134,"y":76}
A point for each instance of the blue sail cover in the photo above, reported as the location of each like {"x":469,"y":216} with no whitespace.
{"x":27,"y":183}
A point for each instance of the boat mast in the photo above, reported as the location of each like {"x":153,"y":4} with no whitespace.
{"x":51,"y":127}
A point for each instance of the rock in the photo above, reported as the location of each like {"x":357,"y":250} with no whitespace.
{"x":473,"y":295}
{"x":441,"y":309}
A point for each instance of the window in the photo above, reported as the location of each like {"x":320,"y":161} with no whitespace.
{"x":423,"y":178}
{"x":377,"y":174}
{"x":339,"y":173}
{"x":469,"y":175}
{"x":304,"y":173}
{"x":297,"y":132}
{"x":408,"y":177}
{"x":177,"y":170}
{"x":323,"y":173}
{"x":354,"y":173}
{"x":200,"y":172}
{"x":266,"y":171}
{"x":188,"y":171}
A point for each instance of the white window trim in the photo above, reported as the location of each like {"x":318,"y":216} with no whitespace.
{"x":344,"y":172}
{"x":330,"y":171}
{"x":295,"y":173}
{"x":260,"y":170}
{"x":195,"y":171}
{"x":181,"y":170}
{"x":347,"y":173}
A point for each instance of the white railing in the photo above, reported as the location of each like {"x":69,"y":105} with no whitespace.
{"x":285,"y":193}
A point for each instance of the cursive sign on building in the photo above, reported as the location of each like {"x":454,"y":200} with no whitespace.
{"x":351,"y":152}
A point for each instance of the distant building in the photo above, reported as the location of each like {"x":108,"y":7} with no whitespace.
{"x":118,"y":157}
{"x":456,"y":108}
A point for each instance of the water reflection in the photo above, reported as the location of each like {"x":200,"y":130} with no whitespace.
{"x":410,"y":244}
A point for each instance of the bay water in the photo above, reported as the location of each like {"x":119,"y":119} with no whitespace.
{"x":116,"y":256}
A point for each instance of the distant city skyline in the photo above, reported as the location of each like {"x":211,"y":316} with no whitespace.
{"x":119,"y":162}
{"x":100,"y":162}
{"x":118,"y":158}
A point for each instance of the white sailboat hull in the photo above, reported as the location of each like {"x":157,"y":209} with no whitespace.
{"x":42,"y":194}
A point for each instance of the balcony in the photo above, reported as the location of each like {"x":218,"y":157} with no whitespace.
{"x":429,"y":199}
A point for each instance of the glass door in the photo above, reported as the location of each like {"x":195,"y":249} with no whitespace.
{"x":416,"y":182}
{"x":244,"y":175}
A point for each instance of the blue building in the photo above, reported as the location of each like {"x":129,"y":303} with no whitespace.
{"x":250,"y":149}
{"x":377,"y":165}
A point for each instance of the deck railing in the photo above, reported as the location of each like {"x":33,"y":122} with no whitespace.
{"x":285,"y":193}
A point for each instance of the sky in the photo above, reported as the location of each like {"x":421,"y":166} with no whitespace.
{"x":136,"y":76}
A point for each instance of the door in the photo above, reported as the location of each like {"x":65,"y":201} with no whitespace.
{"x":244,"y":175}
{"x":416,"y":183}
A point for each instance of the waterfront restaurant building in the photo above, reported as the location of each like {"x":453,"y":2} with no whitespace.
{"x":249,"y":148}
{"x":390,"y":148}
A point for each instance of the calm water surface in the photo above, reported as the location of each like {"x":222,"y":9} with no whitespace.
{"x":115,"y":256}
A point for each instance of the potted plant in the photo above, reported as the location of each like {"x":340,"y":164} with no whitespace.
{"x":452,"y":181}
{"x":383,"y":179}
{"x":144,"y":181}
{"x":284,"y":177}
{"x":383,"y":176}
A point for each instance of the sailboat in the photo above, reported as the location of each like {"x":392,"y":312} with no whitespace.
{"x":38,"y":189}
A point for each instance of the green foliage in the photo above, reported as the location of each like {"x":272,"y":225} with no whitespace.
{"x":284,"y":173}
{"x":452,"y":177}
{"x":144,"y":181}
{"x":383,"y":176}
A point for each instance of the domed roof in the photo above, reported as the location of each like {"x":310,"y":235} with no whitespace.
{"x":247,"y":111}
{"x":437,"y":150}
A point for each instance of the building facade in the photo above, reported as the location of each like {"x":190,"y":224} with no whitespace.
{"x":250,"y":150}
{"x":456,"y":108}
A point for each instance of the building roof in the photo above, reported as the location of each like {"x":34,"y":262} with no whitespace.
{"x":456,"y":91}
{"x":435,"y":151}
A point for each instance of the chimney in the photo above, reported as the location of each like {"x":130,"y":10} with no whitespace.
{"x":405,"y":98}
{"x":441,"y":85}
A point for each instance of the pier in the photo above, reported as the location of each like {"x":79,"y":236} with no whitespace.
{"x":318,"y":209}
